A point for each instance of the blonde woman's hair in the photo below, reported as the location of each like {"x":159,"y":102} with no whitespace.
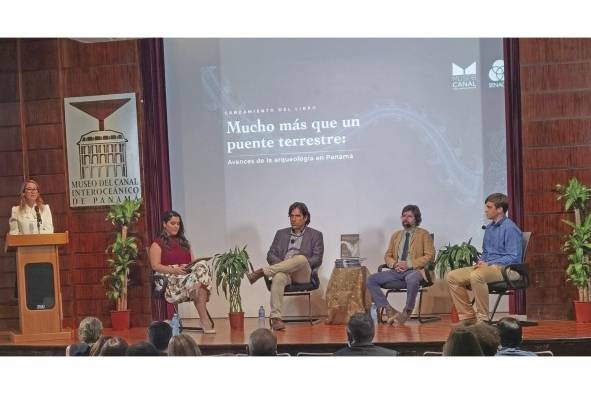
{"x":183,"y":345}
{"x":23,"y":201}
{"x":90,"y":330}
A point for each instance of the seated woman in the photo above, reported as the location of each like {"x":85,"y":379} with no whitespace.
{"x":169,"y":255}
{"x":31,"y":216}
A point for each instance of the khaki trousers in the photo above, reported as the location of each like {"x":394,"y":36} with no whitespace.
{"x":296,"y":269}
{"x":478,"y":279}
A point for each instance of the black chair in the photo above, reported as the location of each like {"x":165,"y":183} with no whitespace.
{"x":432,"y":354}
{"x":425,"y":283}
{"x":299,"y":289}
{"x":545,"y":353}
{"x":508,"y":286}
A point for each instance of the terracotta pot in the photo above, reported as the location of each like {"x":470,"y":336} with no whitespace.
{"x":237,"y":320}
{"x":582,"y":312}
{"x":454,"y":315}
{"x":120,"y":320}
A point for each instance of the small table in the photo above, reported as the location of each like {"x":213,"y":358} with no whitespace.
{"x":346,"y":294}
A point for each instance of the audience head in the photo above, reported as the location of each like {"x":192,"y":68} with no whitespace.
{"x":462,"y":342}
{"x":407,"y":220}
{"x":115,"y":346}
{"x":510,"y":332}
{"x":360,"y":328}
{"x":142,"y":349}
{"x":159,"y":334}
{"x":183,"y":345}
{"x":90,"y":330}
{"x":96,"y":348}
{"x":487,"y":336}
{"x":262,"y":342}
{"x":78,"y":349}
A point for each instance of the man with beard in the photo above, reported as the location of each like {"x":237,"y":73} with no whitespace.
{"x":409,"y":251}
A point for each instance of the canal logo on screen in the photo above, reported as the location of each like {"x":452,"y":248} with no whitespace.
{"x":463,"y":78}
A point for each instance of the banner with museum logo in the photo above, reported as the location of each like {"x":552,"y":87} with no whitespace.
{"x":103,"y":151}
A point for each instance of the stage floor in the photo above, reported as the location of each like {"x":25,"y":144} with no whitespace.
{"x":562,"y":337}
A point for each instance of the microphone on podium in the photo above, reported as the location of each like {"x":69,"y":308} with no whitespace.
{"x":38,"y":219}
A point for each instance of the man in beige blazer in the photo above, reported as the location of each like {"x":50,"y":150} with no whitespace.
{"x":409,"y":251}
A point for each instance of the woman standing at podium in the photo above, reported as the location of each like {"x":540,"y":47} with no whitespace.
{"x":169,"y":255}
{"x":31,"y":216}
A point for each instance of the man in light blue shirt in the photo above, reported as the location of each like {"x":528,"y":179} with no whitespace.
{"x":502,"y":245}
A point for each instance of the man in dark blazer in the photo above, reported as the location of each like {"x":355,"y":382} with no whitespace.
{"x":360,"y":333}
{"x":294,"y":253}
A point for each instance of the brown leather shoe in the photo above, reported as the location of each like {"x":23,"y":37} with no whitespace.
{"x":402,"y":317}
{"x":391,"y":314}
{"x":277,"y":324}
{"x":255,"y":275}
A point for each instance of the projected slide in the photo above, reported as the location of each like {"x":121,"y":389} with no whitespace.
{"x":355,"y":128}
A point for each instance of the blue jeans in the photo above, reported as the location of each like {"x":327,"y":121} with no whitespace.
{"x":409,"y":280}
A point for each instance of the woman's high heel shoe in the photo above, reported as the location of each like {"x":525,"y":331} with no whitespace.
{"x":211,"y":330}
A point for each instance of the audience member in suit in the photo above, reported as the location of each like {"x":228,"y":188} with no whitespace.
{"x":462,"y":342}
{"x":115,"y":346}
{"x":89,"y":331}
{"x":501,"y":246}
{"x":294,"y":253}
{"x":409,"y":251}
{"x":142,"y":349}
{"x":487,"y":336}
{"x":183,"y":345}
{"x":159,"y":334}
{"x":360,"y":333}
{"x":262,"y":342}
{"x":511,"y":337}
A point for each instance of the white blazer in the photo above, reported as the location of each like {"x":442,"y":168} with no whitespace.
{"x":25,"y":221}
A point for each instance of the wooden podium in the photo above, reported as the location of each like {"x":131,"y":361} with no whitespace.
{"x":38,"y":281}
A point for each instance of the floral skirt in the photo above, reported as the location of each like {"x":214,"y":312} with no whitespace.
{"x":179,"y":287}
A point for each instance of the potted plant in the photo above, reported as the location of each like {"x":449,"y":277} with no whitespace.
{"x":229,"y":269}
{"x":124,"y":252}
{"x":451,"y":257}
{"x":578,"y":245}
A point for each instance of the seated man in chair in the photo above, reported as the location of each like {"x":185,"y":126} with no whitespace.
{"x":502,"y":245}
{"x":409,"y":251}
{"x":295,"y":252}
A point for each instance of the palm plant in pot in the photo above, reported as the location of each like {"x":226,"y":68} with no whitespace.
{"x":124,"y":252}
{"x":229,"y":270}
{"x":578,"y":244}
{"x":451,"y":257}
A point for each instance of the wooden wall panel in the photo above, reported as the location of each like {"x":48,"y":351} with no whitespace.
{"x":52,"y":69}
{"x":556,"y":50}
{"x":555,"y":86}
{"x":11,"y":139}
{"x":562,"y":132}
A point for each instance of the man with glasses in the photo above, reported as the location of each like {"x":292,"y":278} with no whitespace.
{"x":409,"y":251}
{"x":294,"y":253}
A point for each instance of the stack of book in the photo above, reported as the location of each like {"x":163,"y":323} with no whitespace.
{"x":349,"y":252}
{"x":347,"y":263}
